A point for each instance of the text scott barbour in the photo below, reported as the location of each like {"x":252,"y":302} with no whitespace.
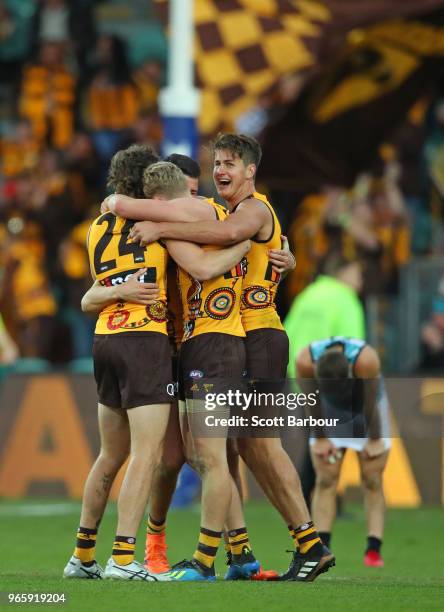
{"x":291,"y":420}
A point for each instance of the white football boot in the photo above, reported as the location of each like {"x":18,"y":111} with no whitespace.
{"x":131,"y":571}
{"x":75,"y":569}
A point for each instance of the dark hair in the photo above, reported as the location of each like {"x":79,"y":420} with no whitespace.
{"x":125,"y":173}
{"x":117,"y":66}
{"x":332,"y":364}
{"x":332,"y":372}
{"x":188,"y":165}
{"x":245,"y":147}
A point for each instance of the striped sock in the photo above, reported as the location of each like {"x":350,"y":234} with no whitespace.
{"x":124,"y":549}
{"x":306,"y":537}
{"x":292,"y":534}
{"x":238,"y":539}
{"x":85,"y":549}
{"x":207,"y":547}
{"x":155,"y":527}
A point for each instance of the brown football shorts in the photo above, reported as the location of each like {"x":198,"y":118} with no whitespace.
{"x":211,"y":362}
{"x":133,"y":369}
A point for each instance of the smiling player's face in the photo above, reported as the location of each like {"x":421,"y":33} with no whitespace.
{"x":230,"y":173}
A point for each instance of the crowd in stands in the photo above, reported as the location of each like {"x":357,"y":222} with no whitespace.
{"x":70,"y":98}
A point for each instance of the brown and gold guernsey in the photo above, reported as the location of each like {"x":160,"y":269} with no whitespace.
{"x":212,"y":306}
{"x":113,"y":259}
{"x":258,"y":308}
{"x":175,"y":313}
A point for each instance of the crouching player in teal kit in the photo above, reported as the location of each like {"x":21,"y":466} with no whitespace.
{"x":330,"y":365}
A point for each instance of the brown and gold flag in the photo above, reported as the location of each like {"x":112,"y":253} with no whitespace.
{"x":333,"y":131}
{"x":244,"y":47}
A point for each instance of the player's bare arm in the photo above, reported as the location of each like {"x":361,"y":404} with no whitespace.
{"x":187,"y":209}
{"x":250,"y":218}
{"x":204,"y":265}
{"x":98,"y":296}
{"x":368,"y":367}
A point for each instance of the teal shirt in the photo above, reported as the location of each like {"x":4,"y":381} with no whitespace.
{"x":325,"y":308}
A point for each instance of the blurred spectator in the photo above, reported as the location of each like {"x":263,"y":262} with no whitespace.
{"x":147,"y":129}
{"x":408,"y":150}
{"x":52,"y":204}
{"x":74,"y":260}
{"x":15,"y":25}
{"x":112,"y":100}
{"x":432,"y":333}
{"x":434,"y":159}
{"x":19,"y":150}
{"x":69,"y":22}
{"x":48,"y":97}
{"x":312,"y":236}
{"x":381,"y":218}
{"x":8,"y":348}
{"x":82,"y":167}
{"x":25,"y":294}
{"x":148,"y":78}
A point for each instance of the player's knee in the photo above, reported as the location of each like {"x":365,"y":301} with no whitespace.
{"x":326,"y":481}
{"x":372,"y":482}
{"x":205,"y":461}
{"x":113,"y":461}
{"x":171,"y":465}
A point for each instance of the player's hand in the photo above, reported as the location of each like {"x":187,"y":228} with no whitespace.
{"x":138,"y":292}
{"x":282,"y":260}
{"x":144,"y":232}
{"x":373,"y":449}
{"x":326,"y":450}
{"x":104,"y":206}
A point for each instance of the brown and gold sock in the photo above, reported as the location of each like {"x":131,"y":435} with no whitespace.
{"x":307,"y":539}
{"x":124,"y":549}
{"x":239,"y":540}
{"x":207,"y":547}
{"x":85,"y":549}
{"x":154,"y":527}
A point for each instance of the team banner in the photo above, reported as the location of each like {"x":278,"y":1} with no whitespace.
{"x":244,"y":47}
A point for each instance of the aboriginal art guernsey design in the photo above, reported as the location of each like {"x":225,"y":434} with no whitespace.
{"x":213,"y":305}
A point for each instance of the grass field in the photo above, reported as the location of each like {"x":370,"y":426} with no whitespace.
{"x":37,"y":540}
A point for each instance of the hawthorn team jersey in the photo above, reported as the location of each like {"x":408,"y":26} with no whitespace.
{"x":113,"y":259}
{"x":212,"y":306}
{"x":259,"y":286}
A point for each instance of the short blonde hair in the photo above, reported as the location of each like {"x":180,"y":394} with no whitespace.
{"x":164,"y":178}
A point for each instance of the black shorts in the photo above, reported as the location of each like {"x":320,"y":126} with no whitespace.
{"x":132,"y":369}
{"x":267,"y":354}
{"x":211,"y":359}
{"x":267,"y":360}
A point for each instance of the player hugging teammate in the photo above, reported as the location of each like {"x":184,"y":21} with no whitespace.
{"x":231,"y":329}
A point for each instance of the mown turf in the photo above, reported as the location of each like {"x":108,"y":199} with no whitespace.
{"x":36,"y":546}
